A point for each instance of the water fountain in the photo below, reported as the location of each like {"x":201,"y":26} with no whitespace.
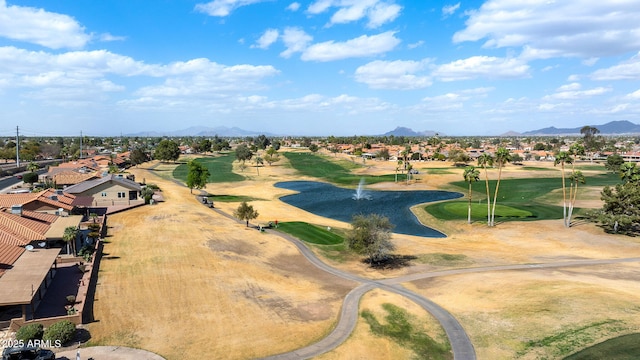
{"x":360,"y":195}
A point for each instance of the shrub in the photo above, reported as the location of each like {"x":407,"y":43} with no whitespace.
{"x":86,"y":252}
{"x":30,"y":177}
{"x":94,"y":226}
{"x":63,"y":331}
{"x":71,"y":299}
{"x":30,"y":332}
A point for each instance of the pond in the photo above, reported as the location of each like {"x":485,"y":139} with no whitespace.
{"x":341,"y":204}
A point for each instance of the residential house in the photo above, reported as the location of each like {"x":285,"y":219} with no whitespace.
{"x":110,"y":190}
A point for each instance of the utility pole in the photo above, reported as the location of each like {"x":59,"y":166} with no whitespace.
{"x":80,"y":144}
{"x":17,"y":147}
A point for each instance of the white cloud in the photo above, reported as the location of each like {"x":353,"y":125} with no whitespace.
{"x":449,"y":10}
{"x":268,"y":37}
{"x":382,"y":13}
{"x":416,"y":44}
{"x":52,"y":30}
{"x":634,"y":95}
{"x":362,"y":46}
{"x":106,"y":37}
{"x":320,"y":6}
{"x":398,"y":75}
{"x":573,"y":92}
{"x":628,"y":70}
{"x":482,"y":67}
{"x":377,"y":12}
{"x":296,"y":40}
{"x":588,"y":28}
{"x":222,"y":8}
{"x":570,"y":87}
{"x":294,"y":6}
{"x":95,"y":72}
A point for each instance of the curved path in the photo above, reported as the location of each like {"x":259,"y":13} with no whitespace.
{"x":460,"y":342}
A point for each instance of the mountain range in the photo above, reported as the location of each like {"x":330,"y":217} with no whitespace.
{"x":621,"y":127}
{"x":221,"y":131}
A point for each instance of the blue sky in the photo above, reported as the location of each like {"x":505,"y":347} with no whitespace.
{"x":323,"y":67}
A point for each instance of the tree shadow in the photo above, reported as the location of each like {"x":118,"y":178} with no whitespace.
{"x":391,"y":262}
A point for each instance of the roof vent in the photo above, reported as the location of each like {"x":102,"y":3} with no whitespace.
{"x":59,"y":192}
{"x":53,"y":197}
{"x":16,"y":210}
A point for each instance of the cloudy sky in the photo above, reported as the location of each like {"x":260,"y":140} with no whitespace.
{"x":322,"y":67}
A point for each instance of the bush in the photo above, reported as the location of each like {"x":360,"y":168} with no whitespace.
{"x":86,"y":252}
{"x":94,"y":227}
{"x":71,"y":299}
{"x":63,"y":331}
{"x":30,"y":332}
{"x":30,"y":177}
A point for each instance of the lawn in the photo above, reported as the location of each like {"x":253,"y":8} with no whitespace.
{"x":518,"y":199}
{"x":311,"y":233}
{"x":220,"y":169}
{"x":230,"y":198}
{"x":625,"y":347}
{"x":334,"y":171}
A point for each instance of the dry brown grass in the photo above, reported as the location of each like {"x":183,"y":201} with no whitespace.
{"x":178,"y":276}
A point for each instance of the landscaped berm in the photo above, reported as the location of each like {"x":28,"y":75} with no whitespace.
{"x":186,"y":281}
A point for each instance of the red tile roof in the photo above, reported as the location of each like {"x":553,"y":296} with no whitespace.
{"x":8,"y":255}
{"x":48,"y":196}
{"x":19,"y":230}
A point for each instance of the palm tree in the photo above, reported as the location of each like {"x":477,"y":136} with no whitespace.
{"x":409,"y":167}
{"x":259,"y":161}
{"x":32,"y":167}
{"x":470,"y":175}
{"x":562,"y":158}
{"x":576,"y":178}
{"x":485,"y":160}
{"x":398,"y":168}
{"x":69,"y":236}
{"x":502,"y":157}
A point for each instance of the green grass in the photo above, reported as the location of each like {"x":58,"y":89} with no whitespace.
{"x":401,"y":327}
{"x":625,"y":347}
{"x":334,"y":171}
{"x":479,"y":210}
{"x":220,"y":169}
{"x":311,"y":233}
{"x":518,"y":199}
{"x":534,"y":168}
{"x":590,"y":167}
{"x":231,"y":198}
{"x":442,"y":259}
{"x":571,"y":339}
{"x":437,"y":171}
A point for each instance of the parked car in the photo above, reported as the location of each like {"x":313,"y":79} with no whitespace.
{"x":19,"y":176}
{"x":27,"y":353}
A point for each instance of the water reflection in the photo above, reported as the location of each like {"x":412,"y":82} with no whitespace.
{"x":338,"y":203}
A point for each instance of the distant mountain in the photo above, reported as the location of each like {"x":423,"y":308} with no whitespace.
{"x":511,"y":133}
{"x":404,"y":131}
{"x":620,"y":127}
{"x":221,"y":131}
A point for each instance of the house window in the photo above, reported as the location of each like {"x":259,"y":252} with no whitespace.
{"x":121,"y":195}
{"x":104,"y":194}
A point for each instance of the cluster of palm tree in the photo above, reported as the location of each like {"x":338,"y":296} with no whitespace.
{"x":471,"y":174}
{"x":575,"y":178}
